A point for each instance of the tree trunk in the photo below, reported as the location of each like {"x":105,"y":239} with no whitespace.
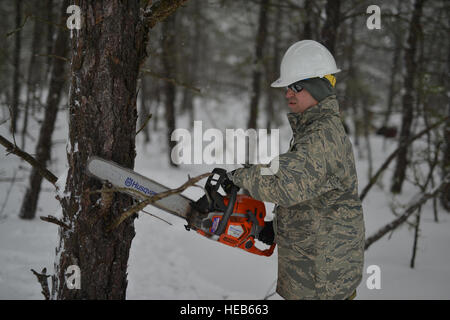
{"x":329,"y":30}
{"x":392,"y":91}
{"x":257,"y":63}
{"x":16,"y":64}
{"x":50,"y":31}
{"x":103,"y":117}
{"x":273,"y":69}
{"x":33,"y":77}
{"x":43,"y":147}
{"x":308,"y":15}
{"x":416,"y":239}
{"x":351,"y":85}
{"x":156,"y":101}
{"x":145,"y":110}
{"x":168,"y":61}
{"x":106,"y":54}
{"x":408,"y":100}
{"x":445,"y":167}
{"x":191,"y":69}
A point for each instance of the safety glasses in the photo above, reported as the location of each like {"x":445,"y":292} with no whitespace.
{"x":296,"y":87}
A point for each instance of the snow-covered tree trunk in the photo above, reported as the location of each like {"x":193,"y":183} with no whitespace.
{"x":106,"y":53}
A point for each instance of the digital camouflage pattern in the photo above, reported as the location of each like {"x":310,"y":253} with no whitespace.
{"x":318,"y":220}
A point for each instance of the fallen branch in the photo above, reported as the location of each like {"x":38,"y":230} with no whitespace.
{"x":13,"y":148}
{"x":141,"y":205}
{"x":411,"y":209}
{"x":42,"y":278}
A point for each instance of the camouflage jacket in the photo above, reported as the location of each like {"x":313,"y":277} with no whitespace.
{"x":318,"y":219}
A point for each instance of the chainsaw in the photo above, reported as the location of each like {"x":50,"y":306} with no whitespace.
{"x":234,"y":219}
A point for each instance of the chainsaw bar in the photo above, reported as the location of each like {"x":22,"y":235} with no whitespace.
{"x":237,"y":224}
{"x":141,"y":187}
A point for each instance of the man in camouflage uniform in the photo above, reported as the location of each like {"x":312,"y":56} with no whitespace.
{"x":318,"y":222}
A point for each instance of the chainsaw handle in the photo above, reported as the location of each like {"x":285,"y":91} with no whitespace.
{"x":228,"y":212}
{"x":212,"y":189}
{"x":266,"y":253}
{"x":222,"y":173}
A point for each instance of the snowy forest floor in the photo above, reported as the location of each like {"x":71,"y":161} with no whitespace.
{"x":167,"y":262}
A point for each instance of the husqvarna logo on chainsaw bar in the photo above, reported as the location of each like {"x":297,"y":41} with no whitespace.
{"x":130,"y":183}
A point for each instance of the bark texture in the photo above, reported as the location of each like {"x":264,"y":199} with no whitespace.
{"x":106,"y":54}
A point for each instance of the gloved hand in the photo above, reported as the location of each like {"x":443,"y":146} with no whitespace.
{"x":227,"y":184}
{"x":267,"y":235}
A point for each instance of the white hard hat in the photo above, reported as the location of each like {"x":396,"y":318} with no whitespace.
{"x":305,"y":59}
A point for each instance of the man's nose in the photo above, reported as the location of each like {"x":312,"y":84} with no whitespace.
{"x":289,"y":93}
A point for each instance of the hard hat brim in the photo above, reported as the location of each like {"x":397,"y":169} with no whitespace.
{"x":279,"y":83}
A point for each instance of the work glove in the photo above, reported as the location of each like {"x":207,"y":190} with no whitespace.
{"x":267,"y":235}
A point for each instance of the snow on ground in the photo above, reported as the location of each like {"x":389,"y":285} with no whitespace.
{"x":167,"y":262}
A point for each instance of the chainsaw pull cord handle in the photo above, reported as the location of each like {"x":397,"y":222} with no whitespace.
{"x":228,"y":211}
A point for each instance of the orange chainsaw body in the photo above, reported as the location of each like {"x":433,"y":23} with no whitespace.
{"x":247,"y":217}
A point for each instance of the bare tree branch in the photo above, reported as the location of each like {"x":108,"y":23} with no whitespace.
{"x":8,"y":34}
{"x":392,"y":156}
{"x":53,"y":56}
{"x":145,"y":123}
{"x":411,"y":209}
{"x":13,"y":148}
{"x":172,"y":80}
{"x":141,"y":205}
{"x":155,"y":216}
{"x":54,"y":220}
{"x":42,"y":278}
